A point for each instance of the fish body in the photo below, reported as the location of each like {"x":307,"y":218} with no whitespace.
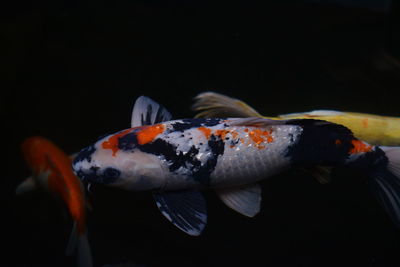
{"x":190,"y":153}
{"x":175,"y":159}
{"x":374,"y":129}
{"x":212,"y":153}
{"x":51,"y":170}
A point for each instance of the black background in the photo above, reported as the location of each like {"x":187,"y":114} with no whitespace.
{"x":72,"y":71}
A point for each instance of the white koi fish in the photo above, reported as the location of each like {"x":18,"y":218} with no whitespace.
{"x":176,"y":159}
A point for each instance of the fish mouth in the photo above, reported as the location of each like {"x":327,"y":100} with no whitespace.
{"x":89,"y":175}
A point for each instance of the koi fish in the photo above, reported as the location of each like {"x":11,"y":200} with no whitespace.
{"x":374,"y":129}
{"x":52,"y":170}
{"x":176,"y":159}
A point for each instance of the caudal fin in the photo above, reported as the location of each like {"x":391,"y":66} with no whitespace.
{"x":84,"y":254}
{"x":79,"y":244}
{"x":386,"y":184}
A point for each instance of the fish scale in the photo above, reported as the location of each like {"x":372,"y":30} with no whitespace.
{"x":247,"y":159}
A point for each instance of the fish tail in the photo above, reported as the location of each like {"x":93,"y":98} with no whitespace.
{"x":84,"y":257}
{"x":79,"y":244}
{"x":385,"y":183}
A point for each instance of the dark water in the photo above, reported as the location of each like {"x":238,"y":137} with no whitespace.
{"x":73,"y":71}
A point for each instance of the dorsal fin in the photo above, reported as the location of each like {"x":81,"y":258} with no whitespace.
{"x":212,"y":104}
{"x":148,"y":112}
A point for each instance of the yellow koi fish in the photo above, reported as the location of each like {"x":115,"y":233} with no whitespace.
{"x":375,"y":129}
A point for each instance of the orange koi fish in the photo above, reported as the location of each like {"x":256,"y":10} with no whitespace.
{"x":52,"y":170}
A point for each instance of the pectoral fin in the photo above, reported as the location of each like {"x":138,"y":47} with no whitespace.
{"x":244,"y":199}
{"x":148,"y":112}
{"x":26,"y":186}
{"x":185,"y":209}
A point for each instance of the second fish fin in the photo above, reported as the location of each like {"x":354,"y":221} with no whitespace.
{"x":244,"y":199}
{"x":78,"y":244}
{"x":211,"y":104}
{"x":185,"y":209}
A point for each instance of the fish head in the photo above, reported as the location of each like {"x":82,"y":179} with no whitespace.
{"x":33,"y":152}
{"x":117,"y":161}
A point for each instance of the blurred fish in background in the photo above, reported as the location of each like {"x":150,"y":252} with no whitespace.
{"x":52,"y":171}
{"x":375,"y":129}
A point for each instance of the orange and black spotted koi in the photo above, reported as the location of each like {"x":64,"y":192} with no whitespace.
{"x":175,"y":159}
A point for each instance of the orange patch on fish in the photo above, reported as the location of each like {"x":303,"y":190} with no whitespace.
{"x":258,"y":136}
{"x":234,"y":134}
{"x":359,"y":147}
{"x":221,"y":133}
{"x":205,"y":131}
{"x":365,"y":122}
{"x":338,"y":142}
{"x":112,"y":142}
{"x":149,"y":133}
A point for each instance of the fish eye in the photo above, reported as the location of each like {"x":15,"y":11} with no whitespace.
{"x":110,"y":175}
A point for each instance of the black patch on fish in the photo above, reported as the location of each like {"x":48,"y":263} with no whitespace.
{"x":128,"y":141}
{"x":291,"y":138}
{"x":187,"y":160}
{"x":234,"y":142}
{"x":338,"y":128}
{"x":217,"y":146}
{"x":374,"y":160}
{"x":85,"y":154}
{"x":109,"y":175}
{"x":194,"y":123}
{"x":201,"y":173}
{"x":317,"y":143}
